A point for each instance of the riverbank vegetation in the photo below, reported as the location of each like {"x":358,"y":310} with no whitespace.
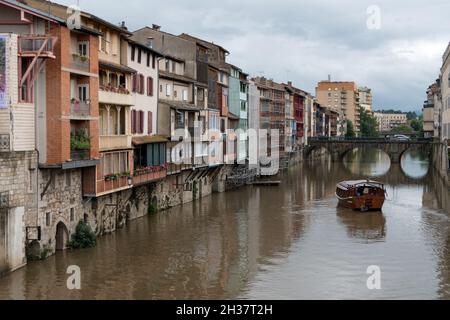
{"x":83,"y":237}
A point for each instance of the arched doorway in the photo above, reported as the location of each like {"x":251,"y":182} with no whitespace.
{"x":62,"y":236}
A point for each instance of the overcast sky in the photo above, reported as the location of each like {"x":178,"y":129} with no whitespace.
{"x":304,"y":41}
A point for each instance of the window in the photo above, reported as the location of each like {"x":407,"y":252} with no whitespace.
{"x":150,"y":86}
{"x":83,"y":49}
{"x":153,"y":61}
{"x":139,"y":55}
{"x":167,"y":65}
{"x":68,"y":178}
{"x":168,"y":90}
{"x":185,"y":95}
{"x":148,"y":59}
{"x":200,"y":94}
{"x":48,"y":218}
{"x":160,"y":88}
{"x":133,"y":52}
{"x":72,"y":214}
{"x":174,"y":66}
{"x":83,"y":92}
{"x":179,"y":120}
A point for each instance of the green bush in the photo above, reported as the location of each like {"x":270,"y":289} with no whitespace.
{"x":80,"y":141}
{"x":83,"y":237}
{"x":152,"y":208}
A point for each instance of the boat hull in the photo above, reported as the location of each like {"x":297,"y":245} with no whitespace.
{"x":362,"y":203}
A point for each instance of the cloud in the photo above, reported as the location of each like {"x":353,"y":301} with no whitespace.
{"x":304,"y":41}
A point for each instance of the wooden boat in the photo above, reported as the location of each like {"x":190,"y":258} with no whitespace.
{"x":364,"y":195}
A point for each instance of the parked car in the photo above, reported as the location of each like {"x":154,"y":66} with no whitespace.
{"x":401,"y":137}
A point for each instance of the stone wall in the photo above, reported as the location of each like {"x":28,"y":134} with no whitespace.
{"x":17,"y":203}
{"x":60,"y":203}
{"x":440,"y":160}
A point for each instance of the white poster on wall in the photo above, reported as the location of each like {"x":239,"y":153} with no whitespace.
{"x":3,"y":98}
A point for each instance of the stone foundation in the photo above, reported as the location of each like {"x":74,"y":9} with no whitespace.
{"x":18,"y":200}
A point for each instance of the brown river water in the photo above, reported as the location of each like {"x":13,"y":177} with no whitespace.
{"x":287,"y":242}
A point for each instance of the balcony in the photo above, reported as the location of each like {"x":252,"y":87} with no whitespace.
{"x":78,"y":62}
{"x":115,"y":142}
{"x":115,"y":96}
{"x":80,"y":110}
{"x":42,"y":46}
{"x":112,"y":183}
{"x":80,"y":155}
{"x":150,"y":174}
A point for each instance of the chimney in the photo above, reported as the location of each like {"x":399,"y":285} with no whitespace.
{"x":123,"y":25}
{"x":290,"y":83}
{"x":156,"y":27}
{"x":329,"y":78}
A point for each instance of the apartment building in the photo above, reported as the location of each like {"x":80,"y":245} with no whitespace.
{"x":445,"y":94}
{"x":297,"y":115}
{"x":343,"y":97}
{"x":365,"y":98}
{"x":150,"y":163}
{"x":388,"y":121}
{"x":25,"y":49}
{"x":184,"y":99}
{"x":272,"y":115}
{"x":238,"y":107}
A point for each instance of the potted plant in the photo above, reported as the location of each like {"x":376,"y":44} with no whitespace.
{"x":84,"y":58}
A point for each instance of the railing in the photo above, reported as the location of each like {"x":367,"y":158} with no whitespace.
{"x":79,"y":155}
{"x":109,"y":185}
{"x":115,"y":142}
{"x":80,"y":109}
{"x":370,"y":139}
{"x":32,"y":44}
{"x":145,"y":175}
{"x":80,"y":63}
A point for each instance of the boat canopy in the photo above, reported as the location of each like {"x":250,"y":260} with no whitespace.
{"x":346,"y":185}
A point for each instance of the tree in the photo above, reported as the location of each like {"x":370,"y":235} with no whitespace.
{"x":417,"y":125}
{"x":369,"y":124}
{"x":405,"y":129}
{"x":350,"y":130}
{"x":412,"y":115}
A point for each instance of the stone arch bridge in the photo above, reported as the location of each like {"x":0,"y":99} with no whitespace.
{"x":395,"y":149}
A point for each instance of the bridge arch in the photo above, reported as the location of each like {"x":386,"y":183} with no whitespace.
{"x":339,"y":147}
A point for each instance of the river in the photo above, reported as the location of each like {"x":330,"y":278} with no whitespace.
{"x":287,"y":242}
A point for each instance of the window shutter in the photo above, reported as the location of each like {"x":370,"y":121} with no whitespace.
{"x":150,"y":86}
{"x":142,"y":84}
{"x":133,"y":121}
{"x":134,"y":83}
{"x":150,"y":122}
{"x":141,"y":120}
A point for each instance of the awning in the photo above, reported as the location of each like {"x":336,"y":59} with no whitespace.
{"x":232,"y":116}
{"x":149,"y":139}
{"x":116,"y":67}
{"x":177,"y":105}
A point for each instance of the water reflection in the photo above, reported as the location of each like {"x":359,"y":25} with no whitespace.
{"x":368,"y":226}
{"x":367,"y":162}
{"x":415,"y":164}
{"x":287,"y":242}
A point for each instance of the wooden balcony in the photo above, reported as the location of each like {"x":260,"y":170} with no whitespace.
{"x":115,"y":96}
{"x":144,"y":176}
{"x":107,"y":186}
{"x":115,"y":142}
